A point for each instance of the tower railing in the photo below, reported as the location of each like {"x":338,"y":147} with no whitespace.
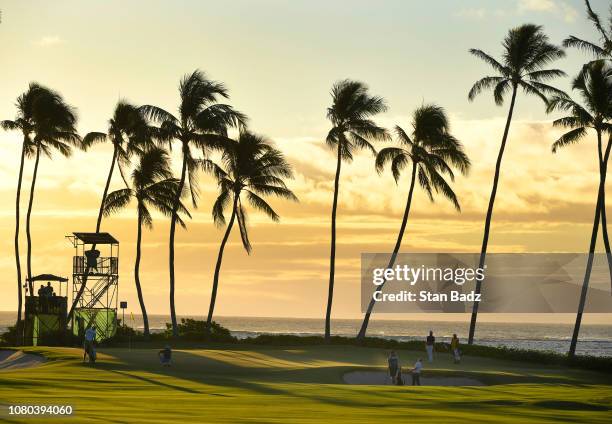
{"x":104,"y":266}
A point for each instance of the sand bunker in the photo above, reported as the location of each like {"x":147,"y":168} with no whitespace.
{"x":382,"y":378}
{"x":14,"y":359}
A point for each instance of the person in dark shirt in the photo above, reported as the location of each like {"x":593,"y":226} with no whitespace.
{"x":393,"y":366}
{"x":429,"y":346}
{"x":165,"y":355}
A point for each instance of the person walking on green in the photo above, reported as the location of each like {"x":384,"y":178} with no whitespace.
{"x":88,"y":345}
{"x":454,"y":345}
{"x":393,"y":361}
{"x":429,"y":346}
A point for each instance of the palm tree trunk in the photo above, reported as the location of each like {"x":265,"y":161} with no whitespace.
{"x":75,"y":301}
{"x":604,"y":223}
{"x":332,"y":254}
{"x":17,"y":218}
{"x":106,"y":187}
{"x":171,"y":240}
{"x":587,"y":273}
{"x":398,"y":244}
{"x":145,"y":318}
{"x":485,"y":239}
{"x":213,"y":295}
{"x":28,"y":218}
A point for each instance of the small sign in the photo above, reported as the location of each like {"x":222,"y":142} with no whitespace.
{"x":123,"y":304}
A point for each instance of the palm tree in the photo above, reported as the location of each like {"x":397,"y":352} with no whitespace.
{"x":25,"y":123}
{"x":526,"y":52}
{"x":253,"y":168}
{"x":55,"y":129}
{"x":594,"y":85}
{"x":152,"y":186}
{"x":48,"y":124}
{"x":129,"y":133}
{"x":601,"y":51}
{"x":201,"y":123}
{"x":352,"y":129}
{"x":433,"y":152}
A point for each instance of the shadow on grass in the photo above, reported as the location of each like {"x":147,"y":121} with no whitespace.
{"x":156,"y":382}
{"x":570,"y":405}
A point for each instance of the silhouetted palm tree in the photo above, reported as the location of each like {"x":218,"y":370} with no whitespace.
{"x":526,"y":52}
{"x":152,"y":186}
{"x":129,"y":133}
{"x":352,"y":129}
{"x":600,"y":51}
{"x":253,"y":168}
{"x":201,"y":123}
{"x":25,"y":123}
{"x":52,"y":123}
{"x":594,"y":85}
{"x":433,"y":152}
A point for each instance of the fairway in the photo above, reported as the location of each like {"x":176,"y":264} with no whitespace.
{"x":304,"y":385}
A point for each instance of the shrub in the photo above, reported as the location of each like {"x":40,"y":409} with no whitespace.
{"x":195,"y":330}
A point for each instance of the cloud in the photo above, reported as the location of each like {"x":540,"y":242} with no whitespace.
{"x":569,"y":13}
{"x":536,"y":5}
{"x":49,"y":40}
{"x":480,"y":13}
{"x":559,"y":8}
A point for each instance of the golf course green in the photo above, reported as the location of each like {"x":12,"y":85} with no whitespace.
{"x":304,"y":385}
{"x":270,"y":384}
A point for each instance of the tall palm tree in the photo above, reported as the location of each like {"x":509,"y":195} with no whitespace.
{"x":594,"y":85}
{"x":47,"y":123}
{"x":433,"y":151}
{"x":55,"y":129}
{"x":352,"y":129}
{"x":202,"y":123}
{"x":129,"y":133}
{"x":252,"y":167}
{"x":599,"y":51}
{"x":24,"y":122}
{"x":152,"y":186}
{"x":526,"y":54}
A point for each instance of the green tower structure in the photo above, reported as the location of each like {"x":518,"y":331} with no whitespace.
{"x":45,"y":312}
{"x":95,"y":271}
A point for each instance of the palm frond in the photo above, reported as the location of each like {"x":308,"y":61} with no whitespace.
{"x":241,"y":217}
{"x":219,"y":205}
{"x":260,"y":204}
{"x":441,"y":186}
{"x":483,"y":84}
{"x":424,"y":182}
{"x":489,"y":60}
{"x":585,"y":46}
{"x":93,"y":138}
{"x":116,"y":200}
{"x":570,"y":137}
{"x":157,"y":114}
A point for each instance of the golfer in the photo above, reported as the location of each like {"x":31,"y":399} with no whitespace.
{"x":393,"y":366}
{"x":429,"y":346}
{"x":88,"y":345}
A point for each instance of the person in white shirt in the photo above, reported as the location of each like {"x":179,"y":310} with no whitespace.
{"x":88,"y":345}
{"x":416,"y":372}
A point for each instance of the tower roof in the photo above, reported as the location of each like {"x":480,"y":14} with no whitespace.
{"x":96,"y":238}
{"x":47,"y":277}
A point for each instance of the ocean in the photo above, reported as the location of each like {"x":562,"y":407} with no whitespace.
{"x":594,"y":339}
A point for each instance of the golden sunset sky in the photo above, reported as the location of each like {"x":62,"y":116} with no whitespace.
{"x":279,"y":59}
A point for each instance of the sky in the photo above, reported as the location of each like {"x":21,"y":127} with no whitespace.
{"x":279,"y":60}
